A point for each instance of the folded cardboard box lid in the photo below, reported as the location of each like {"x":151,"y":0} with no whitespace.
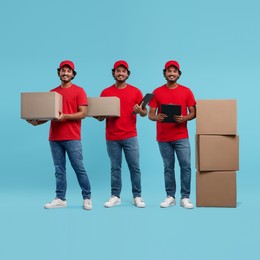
{"x":40,"y":105}
{"x":103,"y":106}
{"x":216,"y":117}
{"x":216,"y":189}
{"x":217,"y":152}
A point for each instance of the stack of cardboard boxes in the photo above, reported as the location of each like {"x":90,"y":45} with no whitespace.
{"x":217,"y":153}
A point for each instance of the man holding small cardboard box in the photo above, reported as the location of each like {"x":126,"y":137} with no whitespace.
{"x":121,"y":134}
{"x":65,"y":136}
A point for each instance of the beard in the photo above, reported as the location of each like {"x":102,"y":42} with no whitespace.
{"x":121,"y":80}
{"x":65,"y":79}
{"x":172,"y":80}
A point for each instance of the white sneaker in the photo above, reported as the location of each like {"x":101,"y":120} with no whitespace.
{"x":169,"y":201}
{"x":186,"y":203}
{"x":87,"y":204}
{"x":113,"y":201}
{"x":56,"y":203}
{"x":138,"y":202}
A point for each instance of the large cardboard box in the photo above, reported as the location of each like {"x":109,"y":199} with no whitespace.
{"x":103,"y":106}
{"x":216,"y":189}
{"x":216,"y":117}
{"x":41,"y":105}
{"x":217,"y":152}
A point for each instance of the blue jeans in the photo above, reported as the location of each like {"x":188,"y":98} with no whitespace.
{"x":182,"y":149}
{"x":130,"y":147}
{"x":73,"y":148}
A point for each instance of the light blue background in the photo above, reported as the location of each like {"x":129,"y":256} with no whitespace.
{"x":217,"y":44}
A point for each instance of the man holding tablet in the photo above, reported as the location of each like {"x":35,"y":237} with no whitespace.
{"x":172,"y":132}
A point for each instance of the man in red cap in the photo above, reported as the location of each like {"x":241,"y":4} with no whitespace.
{"x":65,"y":137}
{"x":121,"y":134}
{"x":172,"y":136}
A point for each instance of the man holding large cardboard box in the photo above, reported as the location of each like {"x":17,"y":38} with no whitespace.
{"x":121,"y":134}
{"x":172,"y":134}
{"x":65,"y":137}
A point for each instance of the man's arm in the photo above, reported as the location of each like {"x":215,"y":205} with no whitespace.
{"x":81,"y":114}
{"x":138,"y":109}
{"x":152,"y":115}
{"x":191,"y":115}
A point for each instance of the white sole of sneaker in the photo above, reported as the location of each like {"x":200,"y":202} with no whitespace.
{"x":186,"y":207}
{"x":56,"y":207}
{"x":164,"y":207}
{"x":111,"y":206}
{"x":140,"y":207}
{"x":87,"y":208}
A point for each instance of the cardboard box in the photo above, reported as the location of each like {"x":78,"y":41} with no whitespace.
{"x":216,"y":189}
{"x":217,"y":152}
{"x":41,"y":105}
{"x":103,"y":106}
{"x":216,"y":117}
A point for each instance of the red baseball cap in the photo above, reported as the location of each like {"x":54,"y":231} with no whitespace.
{"x":172,"y":63}
{"x":67,"y":63}
{"x":120,"y":63}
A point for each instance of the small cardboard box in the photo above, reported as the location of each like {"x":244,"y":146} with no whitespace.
{"x":216,"y":189}
{"x":103,"y":106}
{"x":217,"y":152}
{"x":41,"y":105}
{"x":216,"y":117}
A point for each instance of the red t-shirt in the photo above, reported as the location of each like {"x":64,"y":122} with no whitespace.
{"x":123,"y":127}
{"x":181,"y":95}
{"x":72,"y":98}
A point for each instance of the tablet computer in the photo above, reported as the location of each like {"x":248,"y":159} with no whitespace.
{"x":146,"y":99}
{"x":170,"y":110}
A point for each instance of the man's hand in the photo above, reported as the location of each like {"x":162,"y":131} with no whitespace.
{"x":32,"y":122}
{"x":160,"y":117}
{"x":138,"y":109}
{"x":60,"y":118}
{"x":36,"y":122}
{"x":100,"y":118}
{"x":180,"y":119}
